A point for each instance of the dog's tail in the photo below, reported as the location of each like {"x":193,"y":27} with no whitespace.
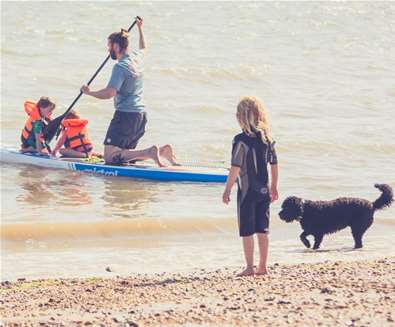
{"x":386,"y":197}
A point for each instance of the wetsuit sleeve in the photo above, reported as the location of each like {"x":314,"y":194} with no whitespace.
{"x":238,"y":152}
{"x":37,"y":126}
{"x":117,"y":78}
{"x":272,"y":154}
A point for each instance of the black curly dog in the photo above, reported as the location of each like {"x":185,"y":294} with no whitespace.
{"x":318,"y":218}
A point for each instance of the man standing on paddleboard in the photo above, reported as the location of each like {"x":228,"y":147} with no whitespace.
{"x":126,"y":86}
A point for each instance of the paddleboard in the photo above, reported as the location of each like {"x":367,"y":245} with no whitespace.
{"x":140,"y":171}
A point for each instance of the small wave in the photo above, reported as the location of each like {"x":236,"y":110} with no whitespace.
{"x":141,"y":227}
{"x":210,"y":110}
{"x":9,"y":51}
{"x":19,"y":53}
{"x":337,"y":146}
{"x":381,"y":221}
{"x":238,"y":73}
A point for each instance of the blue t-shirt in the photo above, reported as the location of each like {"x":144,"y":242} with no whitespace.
{"x":127,"y":79}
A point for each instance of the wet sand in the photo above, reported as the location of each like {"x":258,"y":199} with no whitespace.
{"x":359,"y":293}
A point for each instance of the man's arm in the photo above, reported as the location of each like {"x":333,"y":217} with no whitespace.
{"x":113,"y":86}
{"x":106,"y":93}
{"x":142,"y":44}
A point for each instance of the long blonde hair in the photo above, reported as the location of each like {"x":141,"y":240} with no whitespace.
{"x":252,"y":118}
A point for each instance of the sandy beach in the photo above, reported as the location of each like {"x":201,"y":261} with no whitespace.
{"x":356,"y":293}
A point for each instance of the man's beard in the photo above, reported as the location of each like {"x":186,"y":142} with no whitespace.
{"x":113,"y":55}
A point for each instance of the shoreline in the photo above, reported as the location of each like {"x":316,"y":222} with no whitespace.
{"x":352,"y":293}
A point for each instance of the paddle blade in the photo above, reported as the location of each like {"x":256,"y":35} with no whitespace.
{"x":51,"y":129}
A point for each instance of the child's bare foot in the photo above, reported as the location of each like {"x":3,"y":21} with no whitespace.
{"x":153,"y":153}
{"x":249,"y":271}
{"x":166,"y":152}
{"x":261,"y":271}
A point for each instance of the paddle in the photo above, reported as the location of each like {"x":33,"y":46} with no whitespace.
{"x":53,"y":126}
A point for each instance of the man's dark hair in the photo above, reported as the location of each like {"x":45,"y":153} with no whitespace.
{"x":120,"y":38}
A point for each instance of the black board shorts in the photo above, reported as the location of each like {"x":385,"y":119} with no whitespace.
{"x":126,"y":129}
{"x":253,"y":215}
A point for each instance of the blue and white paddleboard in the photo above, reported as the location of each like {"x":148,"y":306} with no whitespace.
{"x":150,"y":172}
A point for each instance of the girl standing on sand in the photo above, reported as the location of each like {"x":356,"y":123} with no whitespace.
{"x":252,"y":151}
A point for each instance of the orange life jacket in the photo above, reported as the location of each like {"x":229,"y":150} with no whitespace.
{"x":77,"y":135}
{"x":34,"y":115}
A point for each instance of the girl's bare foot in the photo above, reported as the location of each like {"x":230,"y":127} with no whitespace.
{"x":249,"y":271}
{"x":153,"y":153}
{"x":261,"y":271}
{"x":166,"y":152}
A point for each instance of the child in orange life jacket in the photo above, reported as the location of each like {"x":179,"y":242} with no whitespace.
{"x":39,"y":115}
{"x":74,"y":137}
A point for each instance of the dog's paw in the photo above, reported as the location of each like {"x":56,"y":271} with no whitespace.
{"x":306,"y":243}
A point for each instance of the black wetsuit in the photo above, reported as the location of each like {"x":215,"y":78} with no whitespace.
{"x":252,"y":155}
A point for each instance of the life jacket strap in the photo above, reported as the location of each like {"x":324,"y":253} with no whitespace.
{"x":80,"y":137}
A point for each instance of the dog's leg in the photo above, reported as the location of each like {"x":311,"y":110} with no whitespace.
{"x":317,"y":241}
{"x":357,"y":235}
{"x":358,"y":230}
{"x":304,"y":240}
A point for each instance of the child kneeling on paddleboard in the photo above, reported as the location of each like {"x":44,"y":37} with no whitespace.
{"x":33,"y":132}
{"x":74,"y":137}
{"x":252,"y":151}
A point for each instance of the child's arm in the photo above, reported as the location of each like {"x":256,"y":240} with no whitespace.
{"x":39,"y":146}
{"x":60,"y":143}
{"x":274,"y":182}
{"x":233,"y":174}
{"x":37,"y":127}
